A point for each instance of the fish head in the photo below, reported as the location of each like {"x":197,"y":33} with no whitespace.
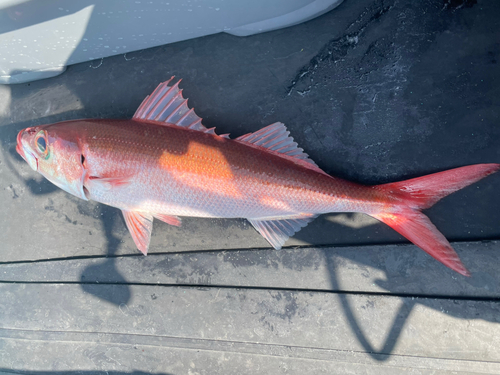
{"x":54,"y":151}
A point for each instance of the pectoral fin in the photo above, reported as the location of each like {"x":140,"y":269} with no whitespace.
{"x":106,"y":183}
{"x":140,"y":225}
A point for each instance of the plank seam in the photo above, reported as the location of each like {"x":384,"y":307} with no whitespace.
{"x":239,"y":287}
{"x":248,"y":347}
{"x":187,"y":252}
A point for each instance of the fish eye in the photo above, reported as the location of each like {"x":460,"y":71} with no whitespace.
{"x":41,"y":143}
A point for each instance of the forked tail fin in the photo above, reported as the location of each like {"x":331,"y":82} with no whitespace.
{"x":421,"y":193}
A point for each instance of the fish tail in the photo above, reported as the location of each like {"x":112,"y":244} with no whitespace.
{"x":421,"y":193}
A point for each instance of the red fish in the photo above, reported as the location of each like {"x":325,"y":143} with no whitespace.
{"x":163,"y":163}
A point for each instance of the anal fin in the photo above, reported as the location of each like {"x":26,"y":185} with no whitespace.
{"x":169,"y":219}
{"x":140,"y":225}
{"x":277,"y":231}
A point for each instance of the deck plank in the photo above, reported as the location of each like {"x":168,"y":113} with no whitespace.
{"x":392,"y":332}
{"x":397,"y":269}
{"x":83,"y":357}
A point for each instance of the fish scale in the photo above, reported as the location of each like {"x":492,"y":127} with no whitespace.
{"x":151,"y":168}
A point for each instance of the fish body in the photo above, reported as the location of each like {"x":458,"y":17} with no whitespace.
{"x":163,"y":163}
{"x":168,"y":169}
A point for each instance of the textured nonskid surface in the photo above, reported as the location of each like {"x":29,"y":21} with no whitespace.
{"x":366,"y":309}
{"x":173,"y":329}
{"x":374,"y":92}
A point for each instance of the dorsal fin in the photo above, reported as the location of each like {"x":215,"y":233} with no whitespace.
{"x":276,"y":137}
{"x":166,"y":105}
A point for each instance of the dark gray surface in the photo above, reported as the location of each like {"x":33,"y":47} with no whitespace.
{"x":388,"y":269}
{"x":376,"y":91}
{"x":373,"y":91}
{"x":176,"y":327}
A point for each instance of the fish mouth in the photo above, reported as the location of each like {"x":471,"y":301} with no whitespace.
{"x":23,"y":151}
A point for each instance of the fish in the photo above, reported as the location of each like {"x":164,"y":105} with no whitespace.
{"x":164,"y":164}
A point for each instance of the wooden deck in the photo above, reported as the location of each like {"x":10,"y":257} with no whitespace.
{"x":375,"y":91}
